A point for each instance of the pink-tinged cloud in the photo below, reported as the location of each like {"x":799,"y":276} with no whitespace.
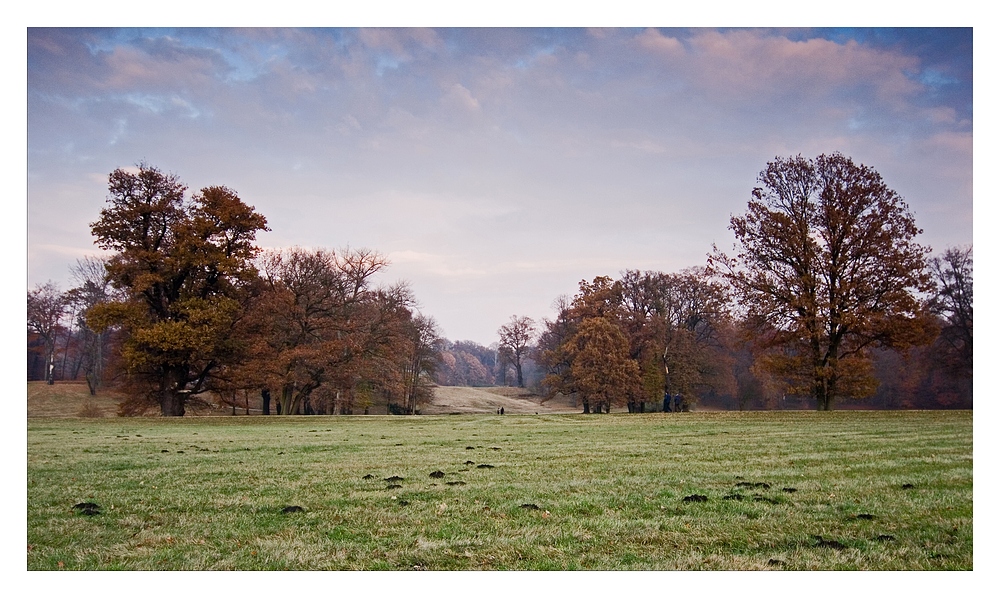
{"x":401,"y":43}
{"x":733,"y":64}
{"x":654,"y":41}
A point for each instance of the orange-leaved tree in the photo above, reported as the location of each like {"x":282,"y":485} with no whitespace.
{"x":602,"y":370}
{"x":827,"y":269}
{"x":185,"y":269}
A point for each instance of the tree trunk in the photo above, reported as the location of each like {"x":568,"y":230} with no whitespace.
{"x":520,"y":378}
{"x":171,"y":403}
{"x":171,"y":397}
{"x":265,"y":402}
{"x":586,"y":406}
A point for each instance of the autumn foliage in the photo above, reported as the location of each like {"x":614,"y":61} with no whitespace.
{"x":827,"y":269}
{"x":828,"y":297}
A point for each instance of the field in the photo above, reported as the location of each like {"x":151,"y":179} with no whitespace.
{"x":704,"y":491}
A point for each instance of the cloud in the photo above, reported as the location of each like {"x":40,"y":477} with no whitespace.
{"x":458,"y":96}
{"x":654,"y":41}
{"x":495,"y":166}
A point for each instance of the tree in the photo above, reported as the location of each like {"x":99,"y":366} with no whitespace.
{"x":555,"y":348}
{"x":465,"y":363}
{"x":186,"y":270}
{"x":827,"y":269}
{"x":952,"y":273}
{"x":515,"y":337}
{"x":423,"y":353}
{"x":46,"y":308}
{"x":603,"y":373}
{"x":92,"y":289}
{"x":675,"y":323}
{"x":325,"y":338}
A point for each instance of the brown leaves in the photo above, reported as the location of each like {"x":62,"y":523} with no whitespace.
{"x":827,"y":269}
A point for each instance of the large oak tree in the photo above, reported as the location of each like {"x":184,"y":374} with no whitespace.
{"x":827,"y":268}
{"x":185,"y":267}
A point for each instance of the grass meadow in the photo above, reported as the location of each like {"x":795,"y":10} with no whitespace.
{"x":690,"y":491}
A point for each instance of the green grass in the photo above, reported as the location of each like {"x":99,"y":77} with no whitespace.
{"x":208,"y":493}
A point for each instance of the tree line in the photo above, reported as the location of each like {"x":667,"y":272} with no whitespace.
{"x":187,"y":306}
{"x":826,"y":297}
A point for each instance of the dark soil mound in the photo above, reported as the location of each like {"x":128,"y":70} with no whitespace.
{"x":458,"y":483}
{"x":763,"y":485}
{"x":768,"y":500}
{"x":865,"y":516}
{"x":789,"y":490}
{"x":437,"y":474}
{"x":530,"y":506}
{"x":470,"y":462}
{"x":394,"y":479}
{"x":87,"y":508}
{"x":368,"y":477}
{"x":907,"y":486}
{"x":484,"y":466}
{"x":695,"y":498}
{"x":776,"y":563}
{"x":822,"y":543}
{"x":392,"y":486}
{"x":885,"y":538}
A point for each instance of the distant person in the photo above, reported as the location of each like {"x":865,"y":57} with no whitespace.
{"x":501,"y":411}
{"x":666,"y":402}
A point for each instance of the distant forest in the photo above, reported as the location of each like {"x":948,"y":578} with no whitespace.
{"x":826,"y":301}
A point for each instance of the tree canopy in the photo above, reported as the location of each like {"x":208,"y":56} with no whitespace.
{"x":827,"y":268}
{"x":185,"y":267}
{"x":827,"y":294}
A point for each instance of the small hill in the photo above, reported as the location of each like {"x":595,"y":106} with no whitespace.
{"x":465,"y":399}
{"x":72,"y":399}
{"x":69,"y":399}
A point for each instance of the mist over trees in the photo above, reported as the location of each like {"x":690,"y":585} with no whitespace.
{"x":827,"y":300}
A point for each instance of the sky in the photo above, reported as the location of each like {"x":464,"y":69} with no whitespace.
{"x":496,"y":168}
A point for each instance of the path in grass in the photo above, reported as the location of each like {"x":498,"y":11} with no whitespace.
{"x":841,"y":490}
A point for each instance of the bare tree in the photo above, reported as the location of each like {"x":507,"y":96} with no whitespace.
{"x":953,"y":302}
{"x":93,"y":288}
{"x":515,"y":338}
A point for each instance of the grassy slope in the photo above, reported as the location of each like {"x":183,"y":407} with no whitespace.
{"x":70,"y":399}
{"x":207,"y":493}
